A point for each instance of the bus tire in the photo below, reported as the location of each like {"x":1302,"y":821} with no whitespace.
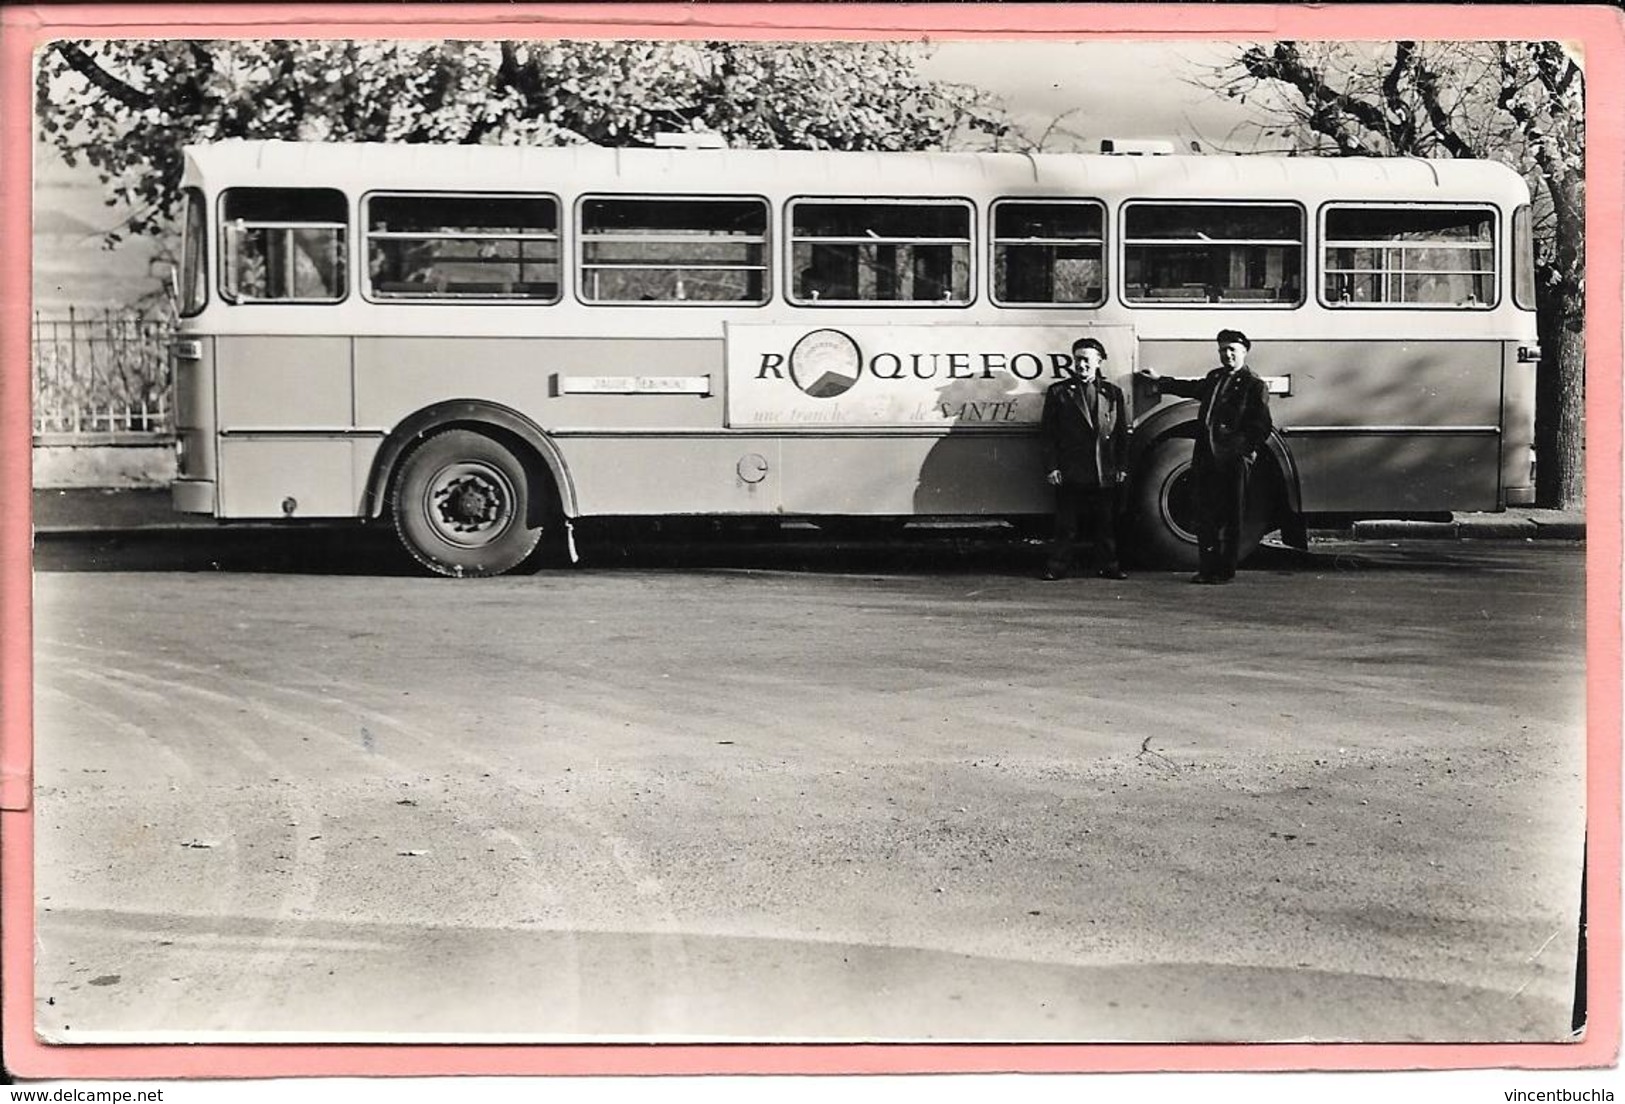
{"x":1162,"y":507}
{"x":461,"y":506}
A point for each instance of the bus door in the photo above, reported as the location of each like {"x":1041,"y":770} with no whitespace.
{"x":284,"y":389}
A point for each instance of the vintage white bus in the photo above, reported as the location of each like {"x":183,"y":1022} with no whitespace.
{"x":479,"y":345}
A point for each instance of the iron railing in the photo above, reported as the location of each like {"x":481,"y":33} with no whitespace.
{"x":102,"y":373}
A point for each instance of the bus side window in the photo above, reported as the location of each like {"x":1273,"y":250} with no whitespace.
{"x":679,"y":249}
{"x":1050,"y":252}
{"x":462,"y":246}
{"x":866,"y":251}
{"x":1406,"y":255}
{"x":283,"y":245}
{"x":1176,"y":254}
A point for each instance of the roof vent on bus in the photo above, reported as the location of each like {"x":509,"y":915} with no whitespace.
{"x":1137,"y":147}
{"x":689,"y":139}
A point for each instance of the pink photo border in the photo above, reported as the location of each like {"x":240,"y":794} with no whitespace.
{"x":1596,"y":29}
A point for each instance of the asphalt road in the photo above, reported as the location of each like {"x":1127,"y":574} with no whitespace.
{"x":802,"y":791}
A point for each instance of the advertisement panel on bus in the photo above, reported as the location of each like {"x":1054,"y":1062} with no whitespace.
{"x":786,"y":377}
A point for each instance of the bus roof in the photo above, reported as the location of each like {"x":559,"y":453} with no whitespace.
{"x":366,"y":166}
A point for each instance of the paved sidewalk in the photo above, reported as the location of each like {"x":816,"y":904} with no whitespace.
{"x":136,"y":509}
{"x":1517,"y":523}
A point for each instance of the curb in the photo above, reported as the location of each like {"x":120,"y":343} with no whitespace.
{"x":1492,"y":527}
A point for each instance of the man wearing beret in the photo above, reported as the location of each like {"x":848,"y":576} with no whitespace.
{"x":1085,"y":433}
{"x":1232,"y":423}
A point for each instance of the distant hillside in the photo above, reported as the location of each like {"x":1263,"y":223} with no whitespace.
{"x":72,"y":267}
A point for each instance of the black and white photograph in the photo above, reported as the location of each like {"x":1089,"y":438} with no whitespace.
{"x":631,"y":540}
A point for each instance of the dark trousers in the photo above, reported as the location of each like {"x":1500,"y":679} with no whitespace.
{"x":1221,"y":491}
{"x":1091,"y":512}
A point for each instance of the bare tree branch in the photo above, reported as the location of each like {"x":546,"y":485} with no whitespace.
{"x":1400,"y":125}
{"x":1328,"y":107}
{"x":86,"y":66}
{"x":1439,"y":117}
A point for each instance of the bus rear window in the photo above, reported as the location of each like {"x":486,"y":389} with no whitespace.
{"x":462,"y":247}
{"x":681,"y":250}
{"x":1523,"y":257}
{"x":1183,"y":254}
{"x":1049,"y":253}
{"x":193,"y":275}
{"x":1410,"y":256}
{"x":283,"y":245}
{"x":880,"y":251}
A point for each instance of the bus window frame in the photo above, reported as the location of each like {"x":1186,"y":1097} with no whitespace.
{"x":1123,"y":242}
{"x":1495,"y":252}
{"x":790,"y":241}
{"x":993,"y":242}
{"x":578,"y":263}
{"x":364,"y":275}
{"x":347,"y":240}
{"x":198,"y":238}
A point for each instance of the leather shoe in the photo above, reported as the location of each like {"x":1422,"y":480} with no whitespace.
{"x":1112,"y":573}
{"x":1205,"y":579}
{"x":1050,"y":575}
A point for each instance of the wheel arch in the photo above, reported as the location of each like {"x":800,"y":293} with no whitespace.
{"x":477,"y":415}
{"x":1178,"y":419}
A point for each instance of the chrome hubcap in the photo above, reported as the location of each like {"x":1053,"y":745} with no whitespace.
{"x":469,"y":503}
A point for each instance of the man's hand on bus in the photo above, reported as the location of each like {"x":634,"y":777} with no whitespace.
{"x":1054,"y":478}
{"x":1150,"y":375}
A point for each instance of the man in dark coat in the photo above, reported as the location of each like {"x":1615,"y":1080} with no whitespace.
{"x":1232,"y":424}
{"x":1085,"y":434}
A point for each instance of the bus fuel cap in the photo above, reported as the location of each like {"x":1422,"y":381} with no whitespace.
{"x":752,"y":467}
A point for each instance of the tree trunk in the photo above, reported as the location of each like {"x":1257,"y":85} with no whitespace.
{"x":1560,"y":387}
{"x":1560,"y":414}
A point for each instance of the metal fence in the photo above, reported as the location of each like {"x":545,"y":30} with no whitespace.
{"x":102,"y":373}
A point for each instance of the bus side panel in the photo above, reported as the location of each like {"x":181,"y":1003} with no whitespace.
{"x":1388,"y":474}
{"x":1376,"y":426}
{"x":284,"y":415}
{"x":275,"y":477}
{"x":279,"y":382}
{"x":396,"y":376}
{"x":964,"y":474}
{"x":674,"y":475}
{"x":953,"y":474}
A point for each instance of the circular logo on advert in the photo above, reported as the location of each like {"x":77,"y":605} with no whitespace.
{"x":825,"y":363}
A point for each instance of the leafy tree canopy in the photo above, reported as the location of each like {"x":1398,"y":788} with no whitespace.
{"x":127,"y":108}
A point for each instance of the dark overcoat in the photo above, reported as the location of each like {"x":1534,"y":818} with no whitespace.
{"x":1233,"y":416}
{"x":1085,"y":432}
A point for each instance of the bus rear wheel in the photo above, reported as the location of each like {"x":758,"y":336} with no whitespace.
{"x":1163,"y":507}
{"x":462,"y":506}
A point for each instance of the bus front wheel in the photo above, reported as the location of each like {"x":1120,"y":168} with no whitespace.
{"x":1163,"y":507}
{"x":461,"y":506}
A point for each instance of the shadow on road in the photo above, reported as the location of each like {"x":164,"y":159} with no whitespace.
{"x":685,"y":545}
{"x":305,"y":551}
